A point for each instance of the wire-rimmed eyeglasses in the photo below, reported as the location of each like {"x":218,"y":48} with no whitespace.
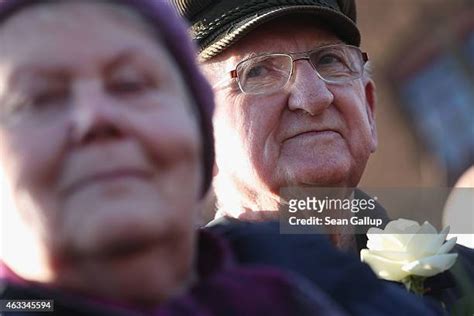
{"x":267,"y":73}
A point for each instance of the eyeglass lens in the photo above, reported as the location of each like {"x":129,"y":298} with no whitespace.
{"x":264,"y":73}
{"x":268,"y":73}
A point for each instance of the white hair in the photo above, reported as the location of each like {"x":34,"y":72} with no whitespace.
{"x":368,"y":70}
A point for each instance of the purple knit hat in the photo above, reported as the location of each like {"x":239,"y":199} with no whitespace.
{"x":174,"y":35}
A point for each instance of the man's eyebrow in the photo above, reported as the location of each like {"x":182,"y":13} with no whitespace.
{"x":252,"y":54}
{"x":320,"y":44}
{"x":327,"y":43}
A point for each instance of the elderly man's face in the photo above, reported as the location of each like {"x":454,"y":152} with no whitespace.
{"x":309,"y":133}
{"x":98,"y":140}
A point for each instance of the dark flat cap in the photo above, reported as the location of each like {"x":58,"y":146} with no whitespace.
{"x":217,"y":24}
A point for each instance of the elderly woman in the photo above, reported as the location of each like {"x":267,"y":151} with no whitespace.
{"x":106,"y":150}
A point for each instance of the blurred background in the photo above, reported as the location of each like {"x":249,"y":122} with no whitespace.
{"x":423,"y":57}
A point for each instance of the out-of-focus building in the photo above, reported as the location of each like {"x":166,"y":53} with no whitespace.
{"x":423,"y":58}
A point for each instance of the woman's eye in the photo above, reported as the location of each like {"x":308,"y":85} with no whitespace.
{"x":47,"y":98}
{"x":128,"y":86}
{"x":128,"y":81}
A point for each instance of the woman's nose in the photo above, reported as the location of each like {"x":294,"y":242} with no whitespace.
{"x":308,"y":92}
{"x":95,"y":115}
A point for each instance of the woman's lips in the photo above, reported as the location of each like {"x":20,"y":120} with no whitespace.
{"x":104,"y":177}
{"x":127,"y":248}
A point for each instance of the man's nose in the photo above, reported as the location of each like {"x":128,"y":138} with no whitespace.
{"x":308,"y":92}
{"x":95,"y":115}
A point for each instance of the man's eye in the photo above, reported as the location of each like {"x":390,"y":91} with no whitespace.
{"x":329,"y":59}
{"x":256,"y":71}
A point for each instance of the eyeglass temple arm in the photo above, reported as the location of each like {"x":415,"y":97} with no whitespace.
{"x":365,"y":57}
{"x":223,"y":81}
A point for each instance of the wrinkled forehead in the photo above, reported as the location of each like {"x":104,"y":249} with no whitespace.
{"x":292,"y":33}
{"x":67,"y":14}
{"x":54,"y":33}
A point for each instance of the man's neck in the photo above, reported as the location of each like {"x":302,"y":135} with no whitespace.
{"x":267,"y":209}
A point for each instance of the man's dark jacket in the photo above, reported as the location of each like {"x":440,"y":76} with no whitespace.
{"x":349,"y":282}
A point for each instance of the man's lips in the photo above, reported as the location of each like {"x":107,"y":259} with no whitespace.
{"x":105,"y":176}
{"x":316,"y":133}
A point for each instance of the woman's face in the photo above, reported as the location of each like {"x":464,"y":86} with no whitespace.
{"x":98,"y":140}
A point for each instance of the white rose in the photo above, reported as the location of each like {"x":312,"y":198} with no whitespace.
{"x":405,"y":248}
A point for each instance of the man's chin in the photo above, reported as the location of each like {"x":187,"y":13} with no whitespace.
{"x":323,"y":176}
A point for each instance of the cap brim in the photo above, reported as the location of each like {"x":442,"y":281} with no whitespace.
{"x":342,"y":26}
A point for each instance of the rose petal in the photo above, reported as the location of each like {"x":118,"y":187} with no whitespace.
{"x":388,"y":242}
{"x":401,"y":256}
{"x":433,"y":246}
{"x":445,"y":231}
{"x":403,"y":239}
{"x":376,"y":240}
{"x":427,"y":228}
{"x":374,"y":231}
{"x":395,"y":235}
{"x":384,"y":268}
{"x":437,"y":242}
{"x":431,"y":265}
{"x":402,"y":226}
{"x":447,"y":246}
{"x":420,"y":244}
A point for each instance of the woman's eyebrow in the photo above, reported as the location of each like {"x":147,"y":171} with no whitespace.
{"x":62,"y":72}
{"x":125,"y":57}
{"x":22,"y":75}
{"x":120,"y":59}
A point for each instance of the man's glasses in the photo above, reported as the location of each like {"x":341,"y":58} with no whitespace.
{"x":267,"y":73}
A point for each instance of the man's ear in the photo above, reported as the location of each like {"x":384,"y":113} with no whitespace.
{"x":371,"y":101}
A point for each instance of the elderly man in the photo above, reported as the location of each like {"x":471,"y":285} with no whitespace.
{"x":295,"y":104}
{"x":294,"y":107}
